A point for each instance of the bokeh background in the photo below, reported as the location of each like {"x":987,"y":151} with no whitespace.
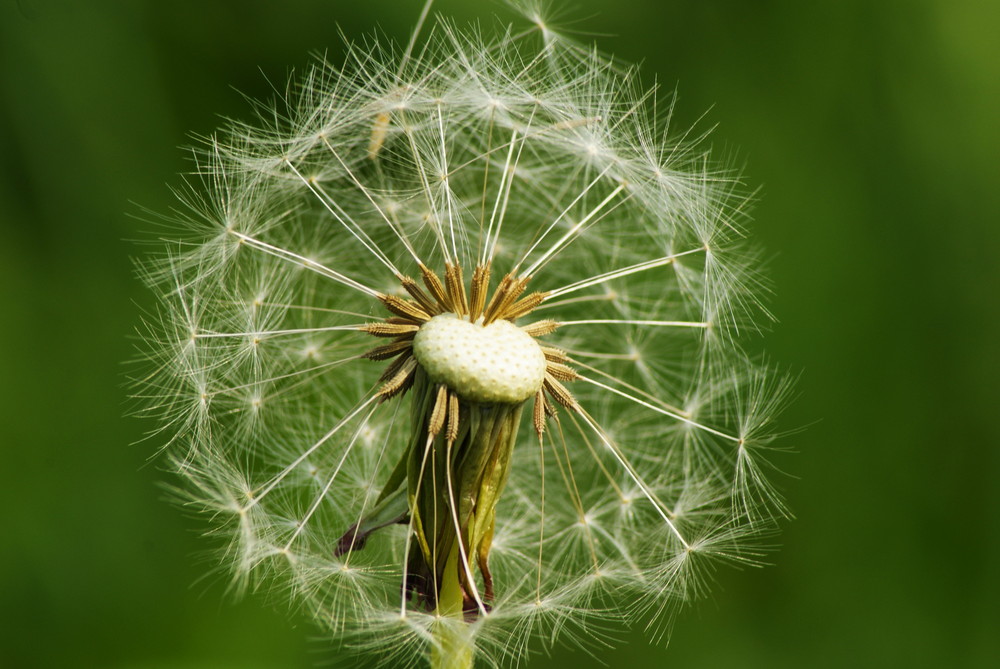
{"x":873,"y":128}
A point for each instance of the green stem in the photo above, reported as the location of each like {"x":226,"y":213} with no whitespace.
{"x":453,"y":647}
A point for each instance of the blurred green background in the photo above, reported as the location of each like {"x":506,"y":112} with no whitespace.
{"x":874,"y":128}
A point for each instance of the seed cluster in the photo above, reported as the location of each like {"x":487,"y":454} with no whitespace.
{"x":645,"y":465}
{"x":438,"y":298}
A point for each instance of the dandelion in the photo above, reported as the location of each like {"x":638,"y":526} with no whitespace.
{"x":448,"y":349}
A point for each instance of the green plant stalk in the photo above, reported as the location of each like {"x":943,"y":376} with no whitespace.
{"x":453,"y":646}
{"x":454,"y":482}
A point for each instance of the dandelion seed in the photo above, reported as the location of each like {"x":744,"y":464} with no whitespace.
{"x":449,"y":347}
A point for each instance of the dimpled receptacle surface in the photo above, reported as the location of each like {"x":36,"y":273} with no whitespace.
{"x":495,"y":363}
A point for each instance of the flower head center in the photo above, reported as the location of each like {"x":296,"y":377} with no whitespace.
{"x":481,"y":363}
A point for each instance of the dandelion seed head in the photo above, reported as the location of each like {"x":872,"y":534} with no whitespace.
{"x":477,"y":289}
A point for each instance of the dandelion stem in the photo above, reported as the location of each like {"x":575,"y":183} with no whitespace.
{"x":412,"y":526}
{"x":453,"y":645}
{"x":453,"y":505}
